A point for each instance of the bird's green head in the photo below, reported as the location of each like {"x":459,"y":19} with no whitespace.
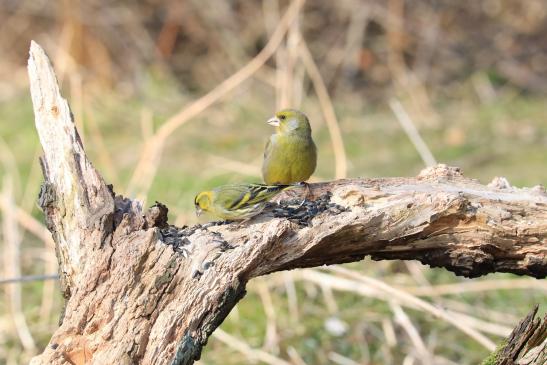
{"x":290,"y":121}
{"x":202,"y":202}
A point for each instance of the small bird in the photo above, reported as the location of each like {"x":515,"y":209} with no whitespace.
{"x":236,"y":202}
{"x":290,"y":155}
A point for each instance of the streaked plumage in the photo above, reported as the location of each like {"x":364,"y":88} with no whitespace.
{"x":290,"y":155}
{"x":236,"y":202}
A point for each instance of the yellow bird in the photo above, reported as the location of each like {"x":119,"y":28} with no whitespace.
{"x":236,"y":202}
{"x":290,"y":155}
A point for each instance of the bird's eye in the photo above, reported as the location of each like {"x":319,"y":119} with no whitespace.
{"x":282,"y":117}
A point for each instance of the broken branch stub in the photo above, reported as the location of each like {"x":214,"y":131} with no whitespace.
{"x":141,"y":291}
{"x":526,"y":345}
{"x":77,"y":202}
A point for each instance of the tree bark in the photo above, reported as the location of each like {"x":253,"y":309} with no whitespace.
{"x":141,"y":291}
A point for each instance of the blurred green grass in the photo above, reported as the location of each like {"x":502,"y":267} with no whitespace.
{"x":506,"y":137}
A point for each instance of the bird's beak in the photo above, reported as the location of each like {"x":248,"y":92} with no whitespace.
{"x":274,"y":121}
{"x":199,"y":211}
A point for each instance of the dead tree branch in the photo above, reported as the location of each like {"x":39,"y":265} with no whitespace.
{"x":526,"y":345}
{"x":141,"y":291}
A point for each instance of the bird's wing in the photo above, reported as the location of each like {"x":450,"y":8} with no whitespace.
{"x":261,"y":193}
{"x":241,"y":197}
{"x":230,"y":195}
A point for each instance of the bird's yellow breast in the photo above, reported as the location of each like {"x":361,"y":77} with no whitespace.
{"x":289,"y":159}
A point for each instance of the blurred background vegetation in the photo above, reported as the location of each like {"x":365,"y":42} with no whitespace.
{"x":171,"y":97}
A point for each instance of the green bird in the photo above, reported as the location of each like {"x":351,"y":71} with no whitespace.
{"x":236,"y":202}
{"x":290,"y":155}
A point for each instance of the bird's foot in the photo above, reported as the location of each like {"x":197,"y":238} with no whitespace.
{"x":307,"y":192}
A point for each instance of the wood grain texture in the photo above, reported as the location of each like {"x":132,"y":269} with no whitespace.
{"x":77,"y":202}
{"x":141,"y":291}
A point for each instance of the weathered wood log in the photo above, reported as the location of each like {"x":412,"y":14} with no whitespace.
{"x":526,"y":345}
{"x":140,"y":291}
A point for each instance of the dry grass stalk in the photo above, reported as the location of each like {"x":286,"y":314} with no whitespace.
{"x":98,"y":141}
{"x":296,"y":359}
{"x":377,"y":289}
{"x":271,"y":339}
{"x":12,"y":268}
{"x":292,"y":297}
{"x":227,"y":164}
{"x":339,"y":359}
{"x":485,"y":326}
{"x":412,"y":332}
{"x":327,"y":107}
{"x":28,"y":200}
{"x":478,"y":311}
{"x":412,"y":132}
{"x":244,"y":348}
{"x":476,"y":286}
{"x":26,"y":220}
